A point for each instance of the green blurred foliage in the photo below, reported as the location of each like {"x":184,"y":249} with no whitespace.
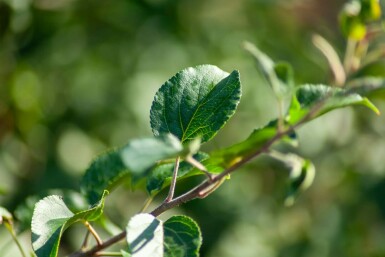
{"x":78,"y":77}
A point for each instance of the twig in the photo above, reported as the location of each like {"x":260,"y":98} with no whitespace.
{"x":85,"y":242}
{"x":93,"y":232}
{"x":146,"y":204}
{"x":199,"y":166}
{"x":9,"y":226}
{"x":173,"y":181}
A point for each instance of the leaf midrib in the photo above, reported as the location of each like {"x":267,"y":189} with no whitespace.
{"x":202,"y":103}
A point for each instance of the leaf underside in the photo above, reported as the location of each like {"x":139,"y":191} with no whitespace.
{"x":145,"y":236}
{"x":51,"y":217}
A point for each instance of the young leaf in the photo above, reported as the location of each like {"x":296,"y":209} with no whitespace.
{"x":351,"y":23}
{"x":370,"y":10}
{"x":301,"y":178}
{"x":279,"y":75}
{"x":161,"y":175}
{"x":129,"y":162}
{"x":145,"y":236}
{"x":195,"y":103}
{"x":182,"y":237}
{"x":367,"y":85}
{"x":302,"y":173}
{"x":51,"y":217}
{"x":329,"y":98}
{"x":229,"y":156}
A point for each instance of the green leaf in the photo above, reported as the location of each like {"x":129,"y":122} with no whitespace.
{"x":161,"y":175}
{"x":51,"y":217}
{"x":231,"y":155}
{"x":285,"y":73}
{"x":129,"y":162}
{"x":182,"y":237}
{"x":145,"y":236}
{"x":195,"y":103}
{"x":328,"y":98}
{"x":367,"y":85}
{"x":302,"y":173}
{"x":24,"y":211}
{"x":5,"y":215}
{"x":301,"y":177}
{"x":279,"y":75}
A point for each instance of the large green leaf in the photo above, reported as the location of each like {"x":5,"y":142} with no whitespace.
{"x":145,"y":236}
{"x":51,"y":217}
{"x":128,"y":162}
{"x":195,"y":103}
{"x":325,"y":98}
{"x":182,"y":237}
{"x":161,"y":175}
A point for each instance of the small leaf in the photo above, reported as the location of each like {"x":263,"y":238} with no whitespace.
{"x":367,"y":85}
{"x":161,"y":175}
{"x":301,"y":178}
{"x":195,"y":103}
{"x":5,"y":215}
{"x":51,"y":217}
{"x":182,"y":237}
{"x":329,"y":98}
{"x":285,"y":74}
{"x":229,"y":156}
{"x":145,"y":236}
{"x":129,"y":162}
{"x":279,"y":75}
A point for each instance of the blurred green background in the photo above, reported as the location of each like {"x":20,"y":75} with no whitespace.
{"x":78,"y":77}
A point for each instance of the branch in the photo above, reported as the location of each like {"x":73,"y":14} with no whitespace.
{"x":207,"y":186}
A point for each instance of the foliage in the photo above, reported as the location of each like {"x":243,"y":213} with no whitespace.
{"x":188,"y":110}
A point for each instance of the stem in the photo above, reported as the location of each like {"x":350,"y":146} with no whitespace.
{"x":146,"y":204}
{"x":199,"y":166}
{"x":280,"y":114}
{"x":9,"y":227}
{"x":94,"y":233}
{"x":85,"y":242}
{"x":108,"y":254}
{"x":170,"y":195}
